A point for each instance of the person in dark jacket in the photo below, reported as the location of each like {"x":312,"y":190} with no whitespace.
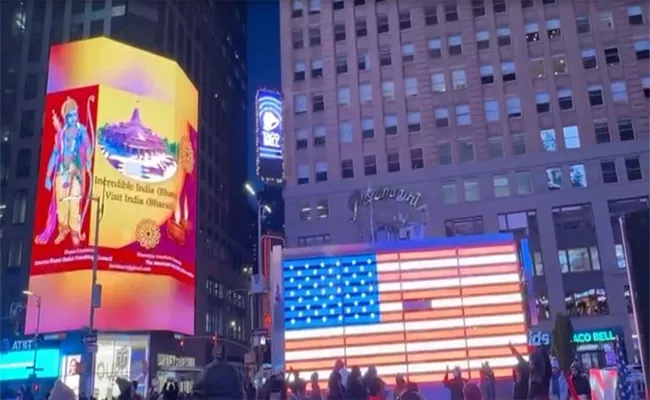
{"x":400,"y":386}
{"x":521,"y":376}
{"x":219,"y":381}
{"x":355,"y":390}
{"x":488,"y":382}
{"x":375,"y":386}
{"x":315,"y":390}
{"x":411,"y":392}
{"x":540,"y":375}
{"x":455,"y":384}
{"x":335,"y":387}
{"x":580,"y":381}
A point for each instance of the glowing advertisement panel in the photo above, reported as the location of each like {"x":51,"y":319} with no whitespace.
{"x":17,"y":365}
{"x":270,"y":137}
{"x":409,"y":308}
{"x":119,"y":133}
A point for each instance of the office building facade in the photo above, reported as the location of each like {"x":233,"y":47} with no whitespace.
{"x":433,"y":118}
{"x":208,"y":40}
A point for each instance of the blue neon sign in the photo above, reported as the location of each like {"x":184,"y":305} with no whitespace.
{"x":16,"y":365}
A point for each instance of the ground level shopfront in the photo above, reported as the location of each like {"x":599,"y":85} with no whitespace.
{"x":596,"y":348}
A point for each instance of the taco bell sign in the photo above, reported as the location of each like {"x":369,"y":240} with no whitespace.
{"x":270,"y":137}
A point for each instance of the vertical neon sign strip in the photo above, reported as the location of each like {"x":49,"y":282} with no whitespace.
{"x":527,"y":264}
{"x":269,"y":136}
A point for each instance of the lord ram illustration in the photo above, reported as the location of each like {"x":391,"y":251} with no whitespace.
{"x":69,"y":175}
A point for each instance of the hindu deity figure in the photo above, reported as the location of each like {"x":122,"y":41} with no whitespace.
{"x":69,"y":173}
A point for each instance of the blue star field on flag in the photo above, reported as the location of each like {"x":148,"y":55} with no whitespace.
{"x":623,"y":389}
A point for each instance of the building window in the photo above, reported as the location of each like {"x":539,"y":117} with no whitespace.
{"x":471,"y":189}
{"x":31,"y":86}
{"x":314,"y":6}
{"x":431,"y":15}
{"x":449,"y":192}
{"x":411,"y":87}
{"x":587,"y":303}
{"x":299,"y":71}
{"x":524,"y":182}
{"x":363,"y":61}
{"x":442,"y":117}
{"x":601,"y":129}
{"x":343,"y":96}
{"x":532,"y":32}
{"x":578,"y":176}
{"x":451,"y":12}
{"x":438,"y":82}
{"x":318,"y":102}
{"x":369,"y":165}
{"x":582,"y":25}
{"x":606,"y":21}
{"x":303,"y":174}
{"x":405,"y":19}
{"x":559,"y":64}
{"x":347,"y":169}
{"x":482,"y":40}
{"x":341,"y":63}
{"x":565,"y":99}
{"x":466,"y":150}
{"x":518,"y":144}
{"x":296,"y":9}
{"x":361,"y":28}
{"x":635,"y":15}
{"x":320,"y":135}
{"x":368,"y":128}
{"x":508,"y":71}
{"x":463,"y":116}
{"x":345,"y":132}
{"x":543,"y":102}
{"x":553,"y":28}
{"x":478,"y":8}
{"x":578,"y":260}
{"x":645,"y":82}
{"x":514,"y":107}
{"x":571,"y":137}
{"x":27,"y":123}
{"x":537,"y":68}
{"x":23,"y":163}
{"x":384,"y":56}
{"x":322,"y":209}
{"x":549,"y":140}
{"x":314,"y":36}
{"x":619,"y":92}
{"x":633,"y":169}
{"x":589,"y":60}
{"x":339,"y":32}
{"x":464,"y":226}
{"x":499,"y":6}
{"x":611,"y":56}
{"x":305,"y":212}
{"x":491,"y":108}
{"x":317,"y":68}
{"x":495,"y":147}
{"x":642,"y":49}
{"x":19,"y":207}
{"x":15,"y":253}
{"x":554,"y":178}
{"x":321,"y":171}
{"x":417,"y":159}
{"x":390,"y":124}
{"x":300,"y":104}
{"x":444,"y":154}
{"x":435,"y":48}
{"x":628,"y":299}
{"x":314,"y":240}
{"x":392,"y":159}
{"x":625,"y":129}
{"x":455,"y":44}
{"x":458,"y":78}
{"x":408,"y":52}
{"x":503,"y":37}
{"x":338,"y":5}
{"x":608,"y":171}
{"x":527,"y":3}
{"x":487,"y":74}
{"x":382,"y":24}
{"x":501,"y":186}
{"x":414,"y":121}
{"x":302,"y":139}
{"x":365,"y":93}
{"x":388,"y":90}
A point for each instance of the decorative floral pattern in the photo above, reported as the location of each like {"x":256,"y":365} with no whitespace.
{"x":187,"y":155}
{"x":147,"y":233}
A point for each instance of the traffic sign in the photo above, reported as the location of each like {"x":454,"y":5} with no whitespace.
{"x":89,"y":339}
{"x":261,"y":332}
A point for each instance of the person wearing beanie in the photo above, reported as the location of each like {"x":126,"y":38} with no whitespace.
{"x":580,"y":381}
{"x":559,"y":389}
{"x":471,"y":391}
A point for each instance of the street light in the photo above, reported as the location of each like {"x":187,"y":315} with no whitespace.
{"x":38,"y":327}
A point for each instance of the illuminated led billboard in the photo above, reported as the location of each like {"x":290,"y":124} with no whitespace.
{"x":409,"y":308}
{"x":270,"y":136}
{"x":119,"y":133}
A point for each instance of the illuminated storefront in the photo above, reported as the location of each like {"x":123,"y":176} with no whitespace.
{"x":18,"y":365}
{"x":120,"y":356}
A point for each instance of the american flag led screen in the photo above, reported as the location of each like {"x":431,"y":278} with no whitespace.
{"x":409,"y":309}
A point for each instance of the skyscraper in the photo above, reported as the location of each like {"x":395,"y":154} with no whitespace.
{"x":445,"y":118}
{"x":208,"y":40}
